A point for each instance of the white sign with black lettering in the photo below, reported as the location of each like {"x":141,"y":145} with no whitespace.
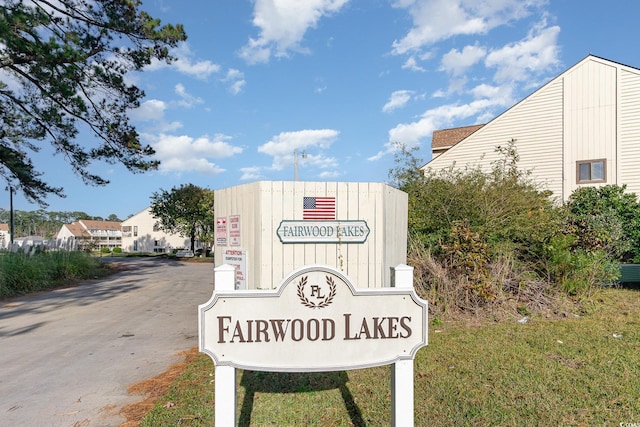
{"x":315,"y":321}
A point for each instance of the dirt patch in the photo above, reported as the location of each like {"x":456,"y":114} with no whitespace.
{"x":152,"y":389}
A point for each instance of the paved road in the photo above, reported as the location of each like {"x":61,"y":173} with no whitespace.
{"x":68,"y":356}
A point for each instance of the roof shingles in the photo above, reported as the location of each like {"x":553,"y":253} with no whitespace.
{"x":447,"y":138}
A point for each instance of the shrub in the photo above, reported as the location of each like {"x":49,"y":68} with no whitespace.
{"x":105,"y":250}
{"x":606,"y":218}
{"x":117,"y":250}
{"x":483,"y":237}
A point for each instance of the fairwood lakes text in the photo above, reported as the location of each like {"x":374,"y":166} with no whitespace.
{"x":280,"y":330}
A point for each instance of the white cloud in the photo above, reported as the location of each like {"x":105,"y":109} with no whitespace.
{"x":186,"y":154}
{"x":439,"y":93}
{"x":188,"y":100}
{"x":436,"y":20}
{"x":456,"y":62}
{"x":508,"y":66}
{"x":152,"y":109}
{"x":411,"y":134}
{"x":283,"y":24}
{"x":318,"y":160}
{"x":329,"y":175}
{"x":502,"y":94}
{"x":186,"y":64}
{"x":398,"y":99}
{"x":282,"y":146}
{"x":519,"y":61}
{"x":235,"y":79}
{"x":412,"y":64}
{"x":251,"y":173}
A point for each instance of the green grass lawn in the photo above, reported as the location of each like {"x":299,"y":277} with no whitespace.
{"x":581,"y":370}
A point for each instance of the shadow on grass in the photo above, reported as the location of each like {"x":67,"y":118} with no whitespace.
{"x":296,"y":382}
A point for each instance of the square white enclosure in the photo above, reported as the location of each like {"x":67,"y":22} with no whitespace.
{"x":267,"y":229}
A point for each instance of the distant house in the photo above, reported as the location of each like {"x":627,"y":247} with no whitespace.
{"x":5,"y":237}
{"x":140,"y":234}
{"x":444,"y":139}
{"x":90,"y":234}
{"x":582,"y":128}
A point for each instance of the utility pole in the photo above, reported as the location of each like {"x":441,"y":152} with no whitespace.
{"x":295,"y":162}
{"x":11,"y":226}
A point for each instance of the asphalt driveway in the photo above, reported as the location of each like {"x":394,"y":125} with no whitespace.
{"x":68,"y":356}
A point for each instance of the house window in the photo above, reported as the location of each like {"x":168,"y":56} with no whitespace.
{"x":135,"y":231}
{"x":591,"y":171}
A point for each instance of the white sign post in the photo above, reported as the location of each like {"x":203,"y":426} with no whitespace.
{"x":315,"y":321}
{"x":225,"y":376}
{"x":402,"y":371}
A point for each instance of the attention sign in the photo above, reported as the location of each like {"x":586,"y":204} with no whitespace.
{"x":315,"y":321}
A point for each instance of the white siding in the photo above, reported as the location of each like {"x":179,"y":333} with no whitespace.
{"x":590,"y":112}
{"x":148,"y":240}
{"x":630,"y":130}
{"x":65,"y":239}
{"x":263,"y":205}
{"x":535,"y":124}
{"x":590,"y":118}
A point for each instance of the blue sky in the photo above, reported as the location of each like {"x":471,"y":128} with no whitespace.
{"x":342,"y":81}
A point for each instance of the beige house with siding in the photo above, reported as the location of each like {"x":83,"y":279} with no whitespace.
{"x":580,"y":129}
{"x":89,"y":234}
{"x":140,"y":234}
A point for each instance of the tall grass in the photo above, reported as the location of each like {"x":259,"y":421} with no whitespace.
{"x":23,"y":272}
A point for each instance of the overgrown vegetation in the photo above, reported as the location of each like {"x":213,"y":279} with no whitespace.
{"x":25,"y":272}
{"x":494,"y":240}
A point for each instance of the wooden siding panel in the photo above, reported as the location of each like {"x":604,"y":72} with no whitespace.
{"x":263,"y":205}
{"x":590,"y":119}
{"x":274,"y":205}
{"x":629,"y":129}
{"x":535,"y":124}
{"x":358,"y":255}
{"x":589,"y":112}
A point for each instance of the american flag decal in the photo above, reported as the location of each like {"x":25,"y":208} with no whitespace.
{"x":319,"y":208}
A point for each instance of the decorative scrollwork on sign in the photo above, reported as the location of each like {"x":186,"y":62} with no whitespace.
{"x":325,"y":300}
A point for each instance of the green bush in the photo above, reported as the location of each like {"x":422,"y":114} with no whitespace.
{"x":480,"y":236}
{"x":105,"y":250}
{"x":606,"y":218}
{"x":117,"y":250}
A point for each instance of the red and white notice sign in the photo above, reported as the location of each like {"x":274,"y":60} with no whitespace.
{"x":234,"y":230}
{"x":221,"y":231}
